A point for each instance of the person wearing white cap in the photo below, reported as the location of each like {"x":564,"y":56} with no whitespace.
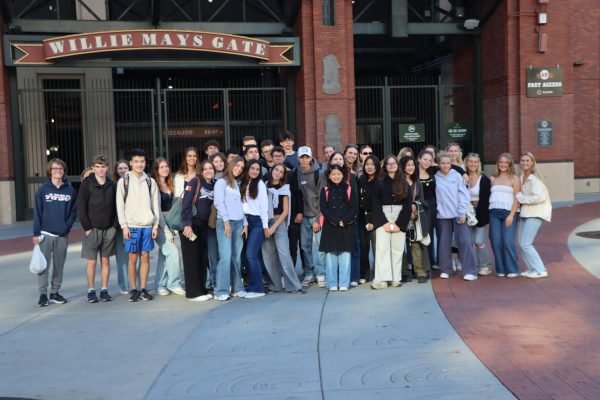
{"x":306,"y":183}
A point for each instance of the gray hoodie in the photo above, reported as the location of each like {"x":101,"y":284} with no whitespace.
{"x":311,"y":190}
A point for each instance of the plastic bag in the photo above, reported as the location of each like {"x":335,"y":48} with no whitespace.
{"x":38,"y":261}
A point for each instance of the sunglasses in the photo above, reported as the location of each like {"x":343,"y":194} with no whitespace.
{"x":366,"y":153}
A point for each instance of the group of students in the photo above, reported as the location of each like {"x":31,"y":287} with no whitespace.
{"x":245,"y":216}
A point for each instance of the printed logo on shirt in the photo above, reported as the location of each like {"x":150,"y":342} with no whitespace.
{"x":57,"y":197}
{"x":188,"y":188}
{"x":206,"y":194}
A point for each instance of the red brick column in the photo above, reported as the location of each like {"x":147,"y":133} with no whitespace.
{"x":312,"y":105}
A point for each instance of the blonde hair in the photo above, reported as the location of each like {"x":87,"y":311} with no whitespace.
{"x":475,"y":156}
{"x":459,"y":159}
{"x":403,"y":151}
{"x":533,"y":168}
{"x":86,"y":172}
{"x":511,"y":164}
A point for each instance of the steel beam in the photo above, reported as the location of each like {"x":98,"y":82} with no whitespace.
{"x":399,"y":18}
{"x":414,"y":28}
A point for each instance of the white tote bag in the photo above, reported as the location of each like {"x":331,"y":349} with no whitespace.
{"x":37,"y":265}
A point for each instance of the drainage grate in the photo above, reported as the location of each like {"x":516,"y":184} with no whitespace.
{"x":589,"y":234}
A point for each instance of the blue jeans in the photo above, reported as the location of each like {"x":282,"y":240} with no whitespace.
{"x":168,"y":268}
{"x":122,"y":258}
{"x":338,"y":269}
{"x":503,"y":241}
{"x":213,"y":258}
{"x":528,"y":229}
{"x":230,"y":251}
{"x":256,"y":236}
{"x":306,"y":244}
{"x":482,"y":256}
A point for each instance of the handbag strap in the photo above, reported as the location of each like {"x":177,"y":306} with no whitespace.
{"x":197,"y":191}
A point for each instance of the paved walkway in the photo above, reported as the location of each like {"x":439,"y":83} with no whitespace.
{"x":537,"y":338}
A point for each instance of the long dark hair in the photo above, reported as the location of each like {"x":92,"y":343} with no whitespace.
{"x":228,"y":175}
{"x":377,"y":166}
{"x":342,"y":168}
{"x":283,"y":179}
{"x":248,"y":183}
{"x":116,"y":175}
{"x":183,"y":167}
{"x":404,"y":161}
{"x":400,"y":184}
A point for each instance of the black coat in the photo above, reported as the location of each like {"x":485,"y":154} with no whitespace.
{"x":383,"y":195}
{"x":336,"y":207}
{"x":366,"y":188}
{"x":482,"y":211}
{"x":97,"y":204}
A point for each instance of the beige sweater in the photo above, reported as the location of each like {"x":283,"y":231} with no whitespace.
{"x":142,"y":208}
{"x":534,"y":199}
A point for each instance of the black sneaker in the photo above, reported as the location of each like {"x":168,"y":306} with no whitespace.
{"x":145,"y":295}
{"x":92,"y":298}
{"x":104,"y":296}
{"x":57,"y":298}
{"x":43,"y":302}
{"x":134,"y":295}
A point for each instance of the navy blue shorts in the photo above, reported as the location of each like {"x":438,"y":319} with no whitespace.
{"x":140,"y":241}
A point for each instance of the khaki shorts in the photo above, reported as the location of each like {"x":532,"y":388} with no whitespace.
{"x":98,"y":241}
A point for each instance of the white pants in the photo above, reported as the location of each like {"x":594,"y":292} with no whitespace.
{"x":389,"y":248}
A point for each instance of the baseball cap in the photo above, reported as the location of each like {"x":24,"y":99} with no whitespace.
{"x":304,"y":151}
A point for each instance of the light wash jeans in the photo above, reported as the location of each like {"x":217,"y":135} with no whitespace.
{"x":503,"y":241}
{"x":312,"y":265}
{"x":338,"y":269}
{"x":482,"y":255}
{"x":168,"y":267}
{"x":121,"y":258}
{"x":229,"y":269}
{"x":213,"y":258}
{"x":528,"y":229}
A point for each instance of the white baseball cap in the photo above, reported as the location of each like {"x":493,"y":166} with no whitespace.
{"x":304,"y":151}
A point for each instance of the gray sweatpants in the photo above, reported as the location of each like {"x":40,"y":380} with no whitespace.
{"x":53,"y":248}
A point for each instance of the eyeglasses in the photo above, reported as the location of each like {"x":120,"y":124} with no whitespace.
{"x":57,"y":169}
{"x":473,"y":154}
{"x":366,"y":153}
{"x":351,"y":146}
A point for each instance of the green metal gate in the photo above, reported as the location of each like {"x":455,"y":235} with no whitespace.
{"x":384,"y":113}
{"x":62,"y":120}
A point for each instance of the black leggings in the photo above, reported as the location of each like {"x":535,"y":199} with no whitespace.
{"x":195,"y":261}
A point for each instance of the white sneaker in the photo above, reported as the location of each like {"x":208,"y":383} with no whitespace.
{"x":512,"y":275}
{"x":178,"y":290}
{"x":536,"y":275}
{"x":240,"y":294}
{"x":253,"y":295}
{"x":204,"y":297}
{"x":333,"y":289}
{"x":343,"y":289}
{"x":469,"y":277}
{"x":353,"y":284}
{"x":210,"y":296}
{"x":223,"y":297}
{"x":362,"y":281}
{"x":526,"y":274}
{"x":444,"y":275}
{"x":124,"y":291}
{"x":308,"y":279}
{"x":484,"y":270}
{"x":321,"y":281}
{"x":163,"y":291}
{"x":500,"y":275}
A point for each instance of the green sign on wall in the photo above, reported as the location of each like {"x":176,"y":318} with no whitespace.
{"x":458,"y":131}
{"x":412,"y":132}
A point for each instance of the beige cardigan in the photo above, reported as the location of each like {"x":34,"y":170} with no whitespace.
{"x":534,"y":199}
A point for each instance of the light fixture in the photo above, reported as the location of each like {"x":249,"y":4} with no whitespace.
{"x":542,"y":18}
{"x":460,"y":11}
{"x":471,"y":24}
{"x":170,"y":86}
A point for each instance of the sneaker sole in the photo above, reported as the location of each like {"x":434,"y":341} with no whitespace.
{"x":57,"y":302}
{"x":92,"y":301}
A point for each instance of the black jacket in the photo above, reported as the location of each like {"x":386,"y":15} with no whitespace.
{"x":383,"y":195}
{"x":366,"y":188}
{"x":482,"y":211}
{"x":97,"y":204}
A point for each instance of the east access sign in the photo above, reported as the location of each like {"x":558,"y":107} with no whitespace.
{"x":53,"y":49}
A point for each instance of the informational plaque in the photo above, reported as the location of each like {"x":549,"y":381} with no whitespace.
{"x":457,"y":131}
{"x":544,"y":82}
{"x":543,"y":133}
{"x":412,"y":132}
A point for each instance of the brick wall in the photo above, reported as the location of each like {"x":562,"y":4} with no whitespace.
{"x":510,"y":45}
{"x":317,"y":41}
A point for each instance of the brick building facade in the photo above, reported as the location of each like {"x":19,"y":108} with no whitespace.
{"x":389,"y":67}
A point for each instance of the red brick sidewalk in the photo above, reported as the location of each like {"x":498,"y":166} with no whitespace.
{"x":22,"y":244}
{"x":540,"y":337}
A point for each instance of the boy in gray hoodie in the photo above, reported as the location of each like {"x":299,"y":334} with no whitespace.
{"x":138,"y":209}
